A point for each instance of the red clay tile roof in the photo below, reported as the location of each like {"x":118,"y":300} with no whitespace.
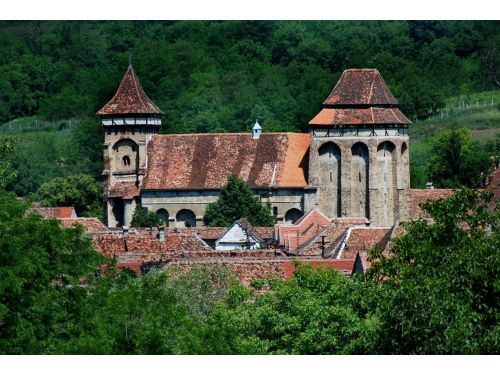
{"x":90,"y":224}
{"x":56,"y":212}
{"x":125,"y":190}
{"x":147,"y":245}
{"x":359,"y":116}
{"x":204,"y":161}
{"x":360,"y":87}
{"x":418,"y":196}
{"x":363,"y":239}
{"x":130,"y":98}
{"x":360,"y":97}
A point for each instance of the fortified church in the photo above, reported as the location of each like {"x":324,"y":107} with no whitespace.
{"x":353,"y":163}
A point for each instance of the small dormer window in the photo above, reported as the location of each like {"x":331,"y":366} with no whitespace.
{"x":126,"y":160}
{"x":256,"y":130}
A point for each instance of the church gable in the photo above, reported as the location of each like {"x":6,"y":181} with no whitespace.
{"x":241,"y":235}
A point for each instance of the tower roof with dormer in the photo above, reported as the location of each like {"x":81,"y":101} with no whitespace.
{"x":360,"y":87}
{"x":360,"y":97}
{"x":130,"y":98}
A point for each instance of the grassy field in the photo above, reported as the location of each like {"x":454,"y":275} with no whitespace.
{"x":479,"y":113}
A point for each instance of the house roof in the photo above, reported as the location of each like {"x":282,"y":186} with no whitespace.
{"x":125,"y":190}
{"x":130,"y":98}
{"x":247,"y":228}
{"x":418,"y":196}
{"x":359,"y":116}
{"x":360,"y":87}
{"x":90,"y":224}
{"x":56,"y":212}
{"x":361,"y":240}
{"x":204,"y":161}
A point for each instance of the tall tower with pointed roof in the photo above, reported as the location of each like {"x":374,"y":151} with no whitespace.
{"x":129,"y":119}
{"x":358,"y":157}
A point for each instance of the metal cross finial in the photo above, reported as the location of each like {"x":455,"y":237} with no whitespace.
{"x":130,"y":58}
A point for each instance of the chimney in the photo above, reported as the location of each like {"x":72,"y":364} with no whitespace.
{"x":429,"y":186}
{"x":256,"y":130}
{"x":125,"y":231}
{"x":161,"y":234}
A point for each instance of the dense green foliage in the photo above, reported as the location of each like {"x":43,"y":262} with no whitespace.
{"x":143,"y":218}
{"x":455,"y":160}
{"x":41,"y":266}
{"x":220,"y":76}
{"x":40,"y":156}
{"x":235,"y":201}
{"x":438,"y":292}
{"x":79,"y":190}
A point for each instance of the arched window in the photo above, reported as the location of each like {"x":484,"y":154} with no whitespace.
{"x":360,"y":180}
{"x":126,"y":160}
{"x":185,"y":219}
{"x":329,"y":179}
{"x":404,"y":148}
{"x":163,"y":214}
{"x":293,"y":215}
{"x":385,"y":150}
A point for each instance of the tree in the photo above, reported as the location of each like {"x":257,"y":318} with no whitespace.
{"x":7,"y":146}
{"x":455,"y":160}
{"x":80,"y":191}
{"x":143,"y":218}
{"x":438,"y":291}
{"x":236,"y":200}
{"x":42,"y":267}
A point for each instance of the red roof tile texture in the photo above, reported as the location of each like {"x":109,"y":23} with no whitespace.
{"x":114,"y":244}
{"x":90,"y":224}
{"x":130,"y":98}
{"x":204,"y":161}
{"x":125,"y":190}
{"x":359,"y":116}
{"x":418,"y":196}
{"x":363,"y":239}
{"x":56,"y":212}
{"x":360,"y":87}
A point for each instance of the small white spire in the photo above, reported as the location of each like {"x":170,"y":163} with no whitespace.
{"x":256,"y":130}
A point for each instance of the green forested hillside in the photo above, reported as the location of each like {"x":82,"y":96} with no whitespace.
{"x":220,"y":76}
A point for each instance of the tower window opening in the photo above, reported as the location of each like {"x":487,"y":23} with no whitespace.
{"x":133,"y":148}
{"x":331,"y":176}
{"x":359,"y":174}
{"x":126,"y":160}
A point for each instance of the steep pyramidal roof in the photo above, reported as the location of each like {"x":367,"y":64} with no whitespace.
{"x":360,"y":97}
{"x":130,"y":98}
{"x":360,"y":87}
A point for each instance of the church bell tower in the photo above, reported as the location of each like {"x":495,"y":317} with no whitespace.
{"x":129,"y":120}
{"x":359,"y":156}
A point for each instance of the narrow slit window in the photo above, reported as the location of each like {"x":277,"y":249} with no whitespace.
{"x":126,"y":160}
